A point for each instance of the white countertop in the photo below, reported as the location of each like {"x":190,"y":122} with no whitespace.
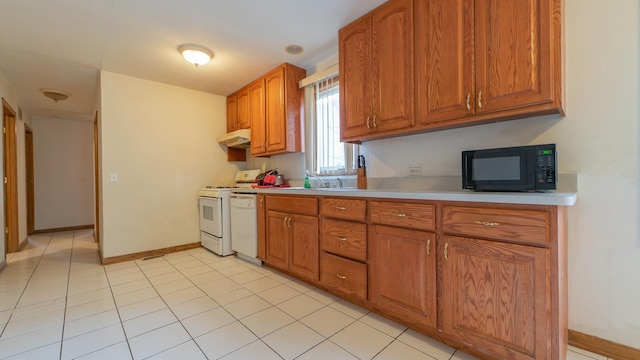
{"x":432,"y":189}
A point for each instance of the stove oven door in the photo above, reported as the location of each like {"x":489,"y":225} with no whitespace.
{"x":211,"y":216}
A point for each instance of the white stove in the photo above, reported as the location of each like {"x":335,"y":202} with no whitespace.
{"x":215,"y":212}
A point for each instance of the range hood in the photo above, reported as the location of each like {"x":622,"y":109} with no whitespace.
{"x":237,"y":139}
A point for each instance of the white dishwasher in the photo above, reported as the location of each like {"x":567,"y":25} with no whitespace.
{"x":244,"y":227}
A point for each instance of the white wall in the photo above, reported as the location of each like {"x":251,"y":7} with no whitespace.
{"x":598,"y":140}
{"x":160,"y":140}
{"x":63,"y":166}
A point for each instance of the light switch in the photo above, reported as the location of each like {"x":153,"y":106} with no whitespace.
{"x":114,"y":177}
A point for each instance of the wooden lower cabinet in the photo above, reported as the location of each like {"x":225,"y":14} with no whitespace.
{"x":292,"y":241}
{"x":496,"y":297}
{"x":304,"y":246}
{"x":487,"y":278}
{"x":347,"y":277}
{"x":402,"y":273}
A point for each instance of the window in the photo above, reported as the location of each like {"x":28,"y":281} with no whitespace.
{"x":329,"y":156}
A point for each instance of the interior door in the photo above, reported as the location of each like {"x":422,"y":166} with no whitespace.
{"x":10,"y":178}
{"x":28,"y":149}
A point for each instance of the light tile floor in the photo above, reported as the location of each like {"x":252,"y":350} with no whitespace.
{"x":58,"y":302}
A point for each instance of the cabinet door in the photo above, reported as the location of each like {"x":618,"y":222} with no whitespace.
{"x":444,"y":60}
{"x":304,"y":246}
{"x":495,"y":296}
{"x":243,"y":110}
{"x":513,"y":54}
{"x":275,"y":111}
{"x":402,"y":273}
{"x":262,"y":227}
{"x":277,"y":239}
{"x":232,"y":112}
{"x":257,"y":118}
{"x":354,"y":43}
{"x":392,"y":65}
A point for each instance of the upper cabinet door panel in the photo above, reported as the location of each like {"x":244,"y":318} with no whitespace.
{"x":355,"y":77}
{"x":392,"y":65}
{"x":276,"y":132}
{"x":257,"y":117}
{"x":445,"y":75}
{"x":244,"y":120}
{"x":514,"y":54}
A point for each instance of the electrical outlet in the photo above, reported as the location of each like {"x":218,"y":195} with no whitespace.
{"x":415,"y":171}
{"x":114,"y":177}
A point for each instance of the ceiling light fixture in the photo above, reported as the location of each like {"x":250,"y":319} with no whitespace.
{"x":55,"y":94}
{"x":197,"y":55}
{"x":294,"y":49}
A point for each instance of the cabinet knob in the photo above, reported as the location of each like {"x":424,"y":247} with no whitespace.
{"x":340,"y":276}
{"x":342,"y":238}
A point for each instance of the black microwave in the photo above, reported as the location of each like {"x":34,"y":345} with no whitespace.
{"x":521,"y":168}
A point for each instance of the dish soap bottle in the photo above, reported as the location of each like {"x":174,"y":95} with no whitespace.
{"x":307,"y":183}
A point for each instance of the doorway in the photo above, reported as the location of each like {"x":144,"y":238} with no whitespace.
{"x":96,"y":174}
{"x":30,"y":178}
{"x":10,"y":167}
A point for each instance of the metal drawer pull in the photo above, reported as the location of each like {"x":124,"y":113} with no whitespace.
{"x":468,"y":101}
{"x":368,"y":124}
{"x":289,"y":222}
{"x":480,"y":100}
{"x":429,"y":247}
{"x":488,"y":223}
{"x":399,"y":215}
{"x":342,"y":238}
{"x":340,"y":276}
{"x":341,"y":208}
{"x":375,"y":125}
{"x":446,"y":251}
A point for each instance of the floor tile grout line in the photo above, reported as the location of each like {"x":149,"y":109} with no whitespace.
{"x":66,"y":298}
{"x":104,"y":269}
{"x":171,"y":310}
{"x":22,"y":294}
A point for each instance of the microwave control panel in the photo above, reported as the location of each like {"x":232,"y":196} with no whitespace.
{"x":546,"y":165}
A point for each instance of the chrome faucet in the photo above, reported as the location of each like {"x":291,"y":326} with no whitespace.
{"x":337,"y":183}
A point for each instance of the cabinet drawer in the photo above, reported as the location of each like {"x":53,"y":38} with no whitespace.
{"x":415,"y":216}
{"x":346,"y":276}
{"x":502,"y":224}
{"x":293,"y":204}
{"x":344,"y":208}
{"x":344,"y":238}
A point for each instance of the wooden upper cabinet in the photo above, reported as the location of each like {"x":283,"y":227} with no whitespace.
{"x":257,"y":117}
{"x":445,"y":87}
{"x":238,"y":110}
{"x":284,"y":113}
{"x":244,"y":111}
{"x":517,"y":54}
{"x":232,"y":112}
{"x":377,"y":72}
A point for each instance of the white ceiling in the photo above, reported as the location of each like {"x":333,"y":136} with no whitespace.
{"x":63,"y":44}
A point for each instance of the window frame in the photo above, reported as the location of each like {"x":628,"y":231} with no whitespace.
{"x":351,"y":150}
